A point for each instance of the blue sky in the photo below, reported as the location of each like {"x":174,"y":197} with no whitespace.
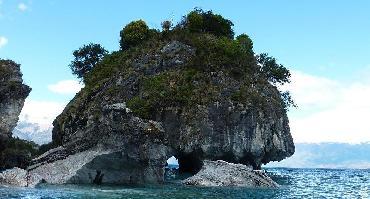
{"x":326,"y":44}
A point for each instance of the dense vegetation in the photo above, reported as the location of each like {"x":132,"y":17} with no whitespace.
{"x":216,"y":50}
{"x":15,"y":152}
{"x":4,"y":70}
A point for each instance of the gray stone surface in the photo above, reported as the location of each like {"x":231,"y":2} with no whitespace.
{"x":221,"y":173}
{"x":14,"y":177}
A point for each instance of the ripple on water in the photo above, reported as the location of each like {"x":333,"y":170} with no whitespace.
{"x":296,"y":183}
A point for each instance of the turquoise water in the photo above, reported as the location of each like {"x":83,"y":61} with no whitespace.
{"x":296,"y":183}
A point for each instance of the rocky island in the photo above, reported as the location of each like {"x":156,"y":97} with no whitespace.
{"x":193,"y":91}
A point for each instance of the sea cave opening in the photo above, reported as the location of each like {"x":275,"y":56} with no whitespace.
{"x":182,"y":166}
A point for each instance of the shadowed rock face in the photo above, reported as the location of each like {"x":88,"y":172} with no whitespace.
{"x":12,"y":95}
{"x":219,"y":129}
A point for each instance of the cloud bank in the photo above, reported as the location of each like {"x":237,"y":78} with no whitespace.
{"x":36,"y":120}
{"x":42,"y":113}
{"x":329,"y":110}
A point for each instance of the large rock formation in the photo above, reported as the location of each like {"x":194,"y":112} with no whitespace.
{"x":133,"y":149}
{"x":188,"y":93}
{"x":12,"y":95}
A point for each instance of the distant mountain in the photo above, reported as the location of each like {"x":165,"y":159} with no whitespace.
{"x":32,"y":132}
{"x":328,"y":155}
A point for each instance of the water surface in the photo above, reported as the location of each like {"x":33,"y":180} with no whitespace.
{"x":295,"y":183}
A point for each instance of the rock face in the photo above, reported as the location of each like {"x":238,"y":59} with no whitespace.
{"x":12,"y":95}
{"x":221,"y":173}
{"x":15,"y":177}
{"x":13,"y":152}
{"x":122,"y":130}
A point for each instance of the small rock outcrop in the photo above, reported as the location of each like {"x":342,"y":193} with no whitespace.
{"x":12,"y":96}
{"x":221,"y":173}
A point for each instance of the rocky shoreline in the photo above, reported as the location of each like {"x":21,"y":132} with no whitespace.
{"x":74,"y":170}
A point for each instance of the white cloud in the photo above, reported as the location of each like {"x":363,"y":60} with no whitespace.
{"x":329,"y":111}
{"x":32,"y":132}
{"x":66,"y":87}
{"x":3,"y":41}
{"x":36,"y":120}
{"x":22,"y":7}
{"x":42,"y":113}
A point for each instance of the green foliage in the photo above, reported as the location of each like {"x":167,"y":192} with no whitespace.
{"x":133,"y":34}
{"x":106,"y":68}
{"x":220,"y":53}
{"x":85,"y":58}
{"x":192,"y":83}
{"x":287,"y":100}
{"x":4,"y":63}
{"x":166,"y":26}
{"x":15,"y":152}
{"x":45,"y":147}
{"x":175,"y":88}
{"x":208,"y":22}
{"x":194,"y":21}
{"x":246,"y":43}
{"x":247,"y":94}
{"x":274,"y":72}
{"x":140,"y":107}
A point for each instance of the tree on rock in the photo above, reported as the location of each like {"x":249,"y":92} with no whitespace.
{"x":274,"y":72}
{"x":245,"y":42}
{"x":133,"y":34}
{"x":86,"y":58}
{"x":166,"y":26}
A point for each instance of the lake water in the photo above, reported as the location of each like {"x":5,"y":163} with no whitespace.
{"x":295,"y":183}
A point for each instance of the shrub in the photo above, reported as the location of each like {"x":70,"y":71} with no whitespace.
{"x":201,"y":21}
{"x":133,"y":34}
{"x":46,"y":147}
{"x":166,"y":26}
{"x":15,"y":152}
{"x":195,"y":21}
{"x":86,"y":58}
{"x":140,"y":107}
{"x":245,"y":42}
